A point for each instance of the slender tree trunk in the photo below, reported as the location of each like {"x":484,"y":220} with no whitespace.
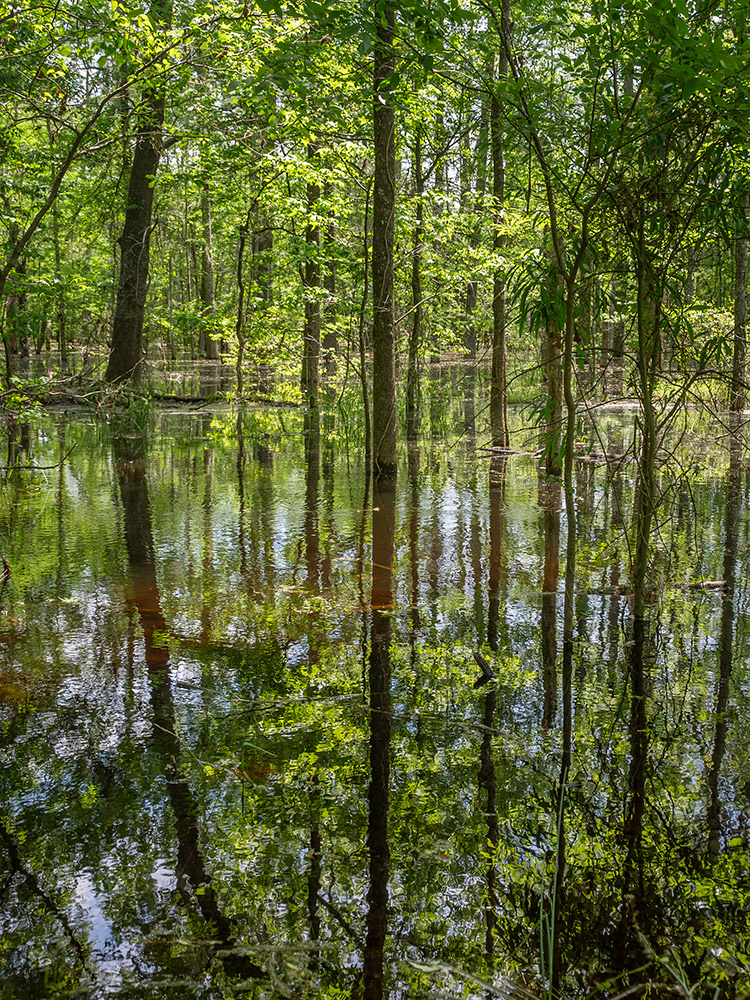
{"x":263,"y":261}
{"x":558,"y":922}
{"x":60,"y":292}
{"x":549,"y":500}
{"x":208,"y":295}
{"x":379,"y":676}
{"x":17,"y":341}
{"x":311,"y":281}
{"x":412,"y":376}
{"x":361,"y":338}
{"x":726,"y":638}
{"x":648,"y":320}
{"x":739,"y":366}
{"x":170,"y":310}
{"x":22,"y":316}
{"x":472,"y":285}
{"x":498,"y":388}
{"x":384,"y":207}
{"x":553,"y":360}
{"x":125,"y":358}
{"x":241,"y":323}
{"x":330,"y":338}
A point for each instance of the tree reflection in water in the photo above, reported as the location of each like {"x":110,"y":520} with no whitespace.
{"x":130,"y":464}
{"x":204,"y":801}
{"x":379,"y":678}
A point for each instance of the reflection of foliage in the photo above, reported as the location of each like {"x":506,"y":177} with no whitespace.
{"x":265,"y":609}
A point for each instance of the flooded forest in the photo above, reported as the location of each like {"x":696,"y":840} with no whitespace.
{"x":374,"y":489}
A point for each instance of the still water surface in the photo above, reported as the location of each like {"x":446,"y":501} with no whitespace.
{"x":248,"y":750}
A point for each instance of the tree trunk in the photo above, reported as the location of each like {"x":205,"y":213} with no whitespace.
{"x":379,"y":677}
{"x":59,"y":292}
{"x":311,"y":281}
{"x":263,"y":262}
{"x":549,"y":501}
{"x":553,"y":360}
{"x":384,"y":206}
{"x":240,"y":327}
{"x":739,"y":366}
{"x":125,"y":358}
{"x":472,"y":285}
{"x":361,"y":338}
{"x":208,"y":296}
{"x":412,"y":376}
{"x":498,"y":389}
{"x":330,"y":337}
{"x":16,"y":313}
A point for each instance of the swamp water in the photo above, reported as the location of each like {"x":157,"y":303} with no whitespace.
{"x":247,"y":749}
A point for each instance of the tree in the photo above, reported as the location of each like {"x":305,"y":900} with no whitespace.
{"x":383,"y":223}
{"x":56,"y":84}
{"x":498,"y":387}
{"x":310,"y":271}
{"x":125,"y":359}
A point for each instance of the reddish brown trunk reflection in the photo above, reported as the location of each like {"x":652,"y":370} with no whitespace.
{"x":487,"y":783}
{"x":634,"y":914}
{"x":144,"y":596}
{"x":414,"y":541}
{"x":614,"y":497}
{"x":549,"y":500}
{"x":315,"y":872}
{"x":726,"y":641}
{"x":312,"y":493}
{"x":207,"y":604}
{"x":498,"y":474}
{"x":383,"y":528}
{"x":144,"y":592}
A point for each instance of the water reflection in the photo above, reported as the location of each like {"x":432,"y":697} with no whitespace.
{"x":549,"y":501}
{"x":487,"y":784}
{"x":193,"y":879}
{"x":230,"y":753}
{"x":727,"y":633}
{"x":498,"y":473}
{"x":379,"y":683}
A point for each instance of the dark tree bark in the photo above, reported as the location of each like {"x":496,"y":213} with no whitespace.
{"x":498,"y":476}
{"x":60,"y":296}
{"x":384,"y":206}
{"x":412,"y":375}
{"x":739,"y":365}
{"x":263,"y":260}
{"x":361,"y":337}
{"x":208,"y":295}
{"x":126,"y":350}
{"x":477,"y":205}
{"x":498,"y":389}
{"x":553,"y":364}
{"x":726,"y":638}
{"x":330,"y":336}
{"x":311,"y":282}
{"x":488,"y":784}
{"x":379,"y":676}
{"x":549,"y":500}
{"x":240,"y":325}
